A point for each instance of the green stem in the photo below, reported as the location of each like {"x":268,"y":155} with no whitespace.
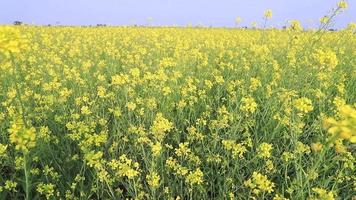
{"x":27,"y":181}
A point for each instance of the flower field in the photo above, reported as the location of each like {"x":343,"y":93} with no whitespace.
{"x":177,"y":113}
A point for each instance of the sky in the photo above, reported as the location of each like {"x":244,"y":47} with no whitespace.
{"x":217,"y":13}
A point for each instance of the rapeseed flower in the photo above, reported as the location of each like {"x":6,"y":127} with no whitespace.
{"x":153,"y":180}
{"x":268,"y":14}
{"x":322,"y":194}
{"x":342,"y":4}
{"x":195,"y":177}
{"x":295,"y":25}
{"x":345,"y":128}
{"x":24,"y":138}
{"x":46,"y":189}
{"x":248,"y":105}
{"x":303,"y":105}
{"x":11,"y":41}
{"x":264,"y":150}
{"x":160,"y":126}
{"x":259,"y":183}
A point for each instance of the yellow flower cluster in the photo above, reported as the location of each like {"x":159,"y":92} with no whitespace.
{"x":264,"y":150}
{"x":46,"y":189}
{"x":125,"y":167}
{"x":172,"y":163}
{"x":326,"y":59}
{"x":322,"y":194}
{"x":237,"y":149}
{"x":345,"y":128}
{"x":24,"y":138}
{"x":259,"y":183}
{"x":342,"y":4}
{"x":160,"y":126}
{"x":295,"y":25}
{"x":195,"y":177}
{"x":10,"y":185}
{"x":11,"y":40}
{"x":3,"y":150}
{"x":268,"y":14}
{"x":248,"y":105}
{"x":303,"y":105}
{"x":153,"y":180}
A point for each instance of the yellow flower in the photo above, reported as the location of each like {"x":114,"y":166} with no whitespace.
{"x":172,"y":163}
{"x":10,"y":185}
{"x":131,"y":106}
{"x":135,"y":72}
{"x":11,"y":40}
{"x":183,"y":149}
{"x":301,"y":148}
{"x":195,"y":177}
{"x":269,"y":165}
{"x":46,"y":189}
{"x":255,"y":83}
{"x":125,"y":167}
{"x":231,"y":196}
{"x":339,"y":147}
{"x":342,"y":4}
{"x":153,"y":180}
{"x":101,"y":92}
{"x":279,"y":197}
{"x":264,"y":150}
{"x":24,"y":138}
{"x":254,"y":24}
{"x":268,"y":14}
{"x":287,"y":156}
{"x":160,"y":127}
{"x":322,"y":194}
{"x":156,"y":149}
{"x":248,"y":105}
{"x":237,"y":149}
{"x":303,"y":105}
{"x":119,"y":79}
{"x":325,"y":20}
{"x":316,"y":146}
{"x":345,"y":128}
{"x":295,"y":25}
{"x":325,"y":59}
{"x":208,"y":84}
{"x":351,"y":26}
{"x":94,"y":159}
{"x":237,"y":20}
{"x":3,"y":150}
{"x":312,"y":175}
{"x":85,"y":110}
{"x":259,"y":183}
{"x":166,"y":91}
{"x":219,"y":79}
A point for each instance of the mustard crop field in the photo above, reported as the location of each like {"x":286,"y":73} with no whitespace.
{"x":177,"y":113}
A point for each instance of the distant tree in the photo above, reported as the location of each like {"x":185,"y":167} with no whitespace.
{"x":18,"y":23}
{"x":149,"y":21}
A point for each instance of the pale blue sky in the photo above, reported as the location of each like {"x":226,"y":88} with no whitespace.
{"x":170,"y":12}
